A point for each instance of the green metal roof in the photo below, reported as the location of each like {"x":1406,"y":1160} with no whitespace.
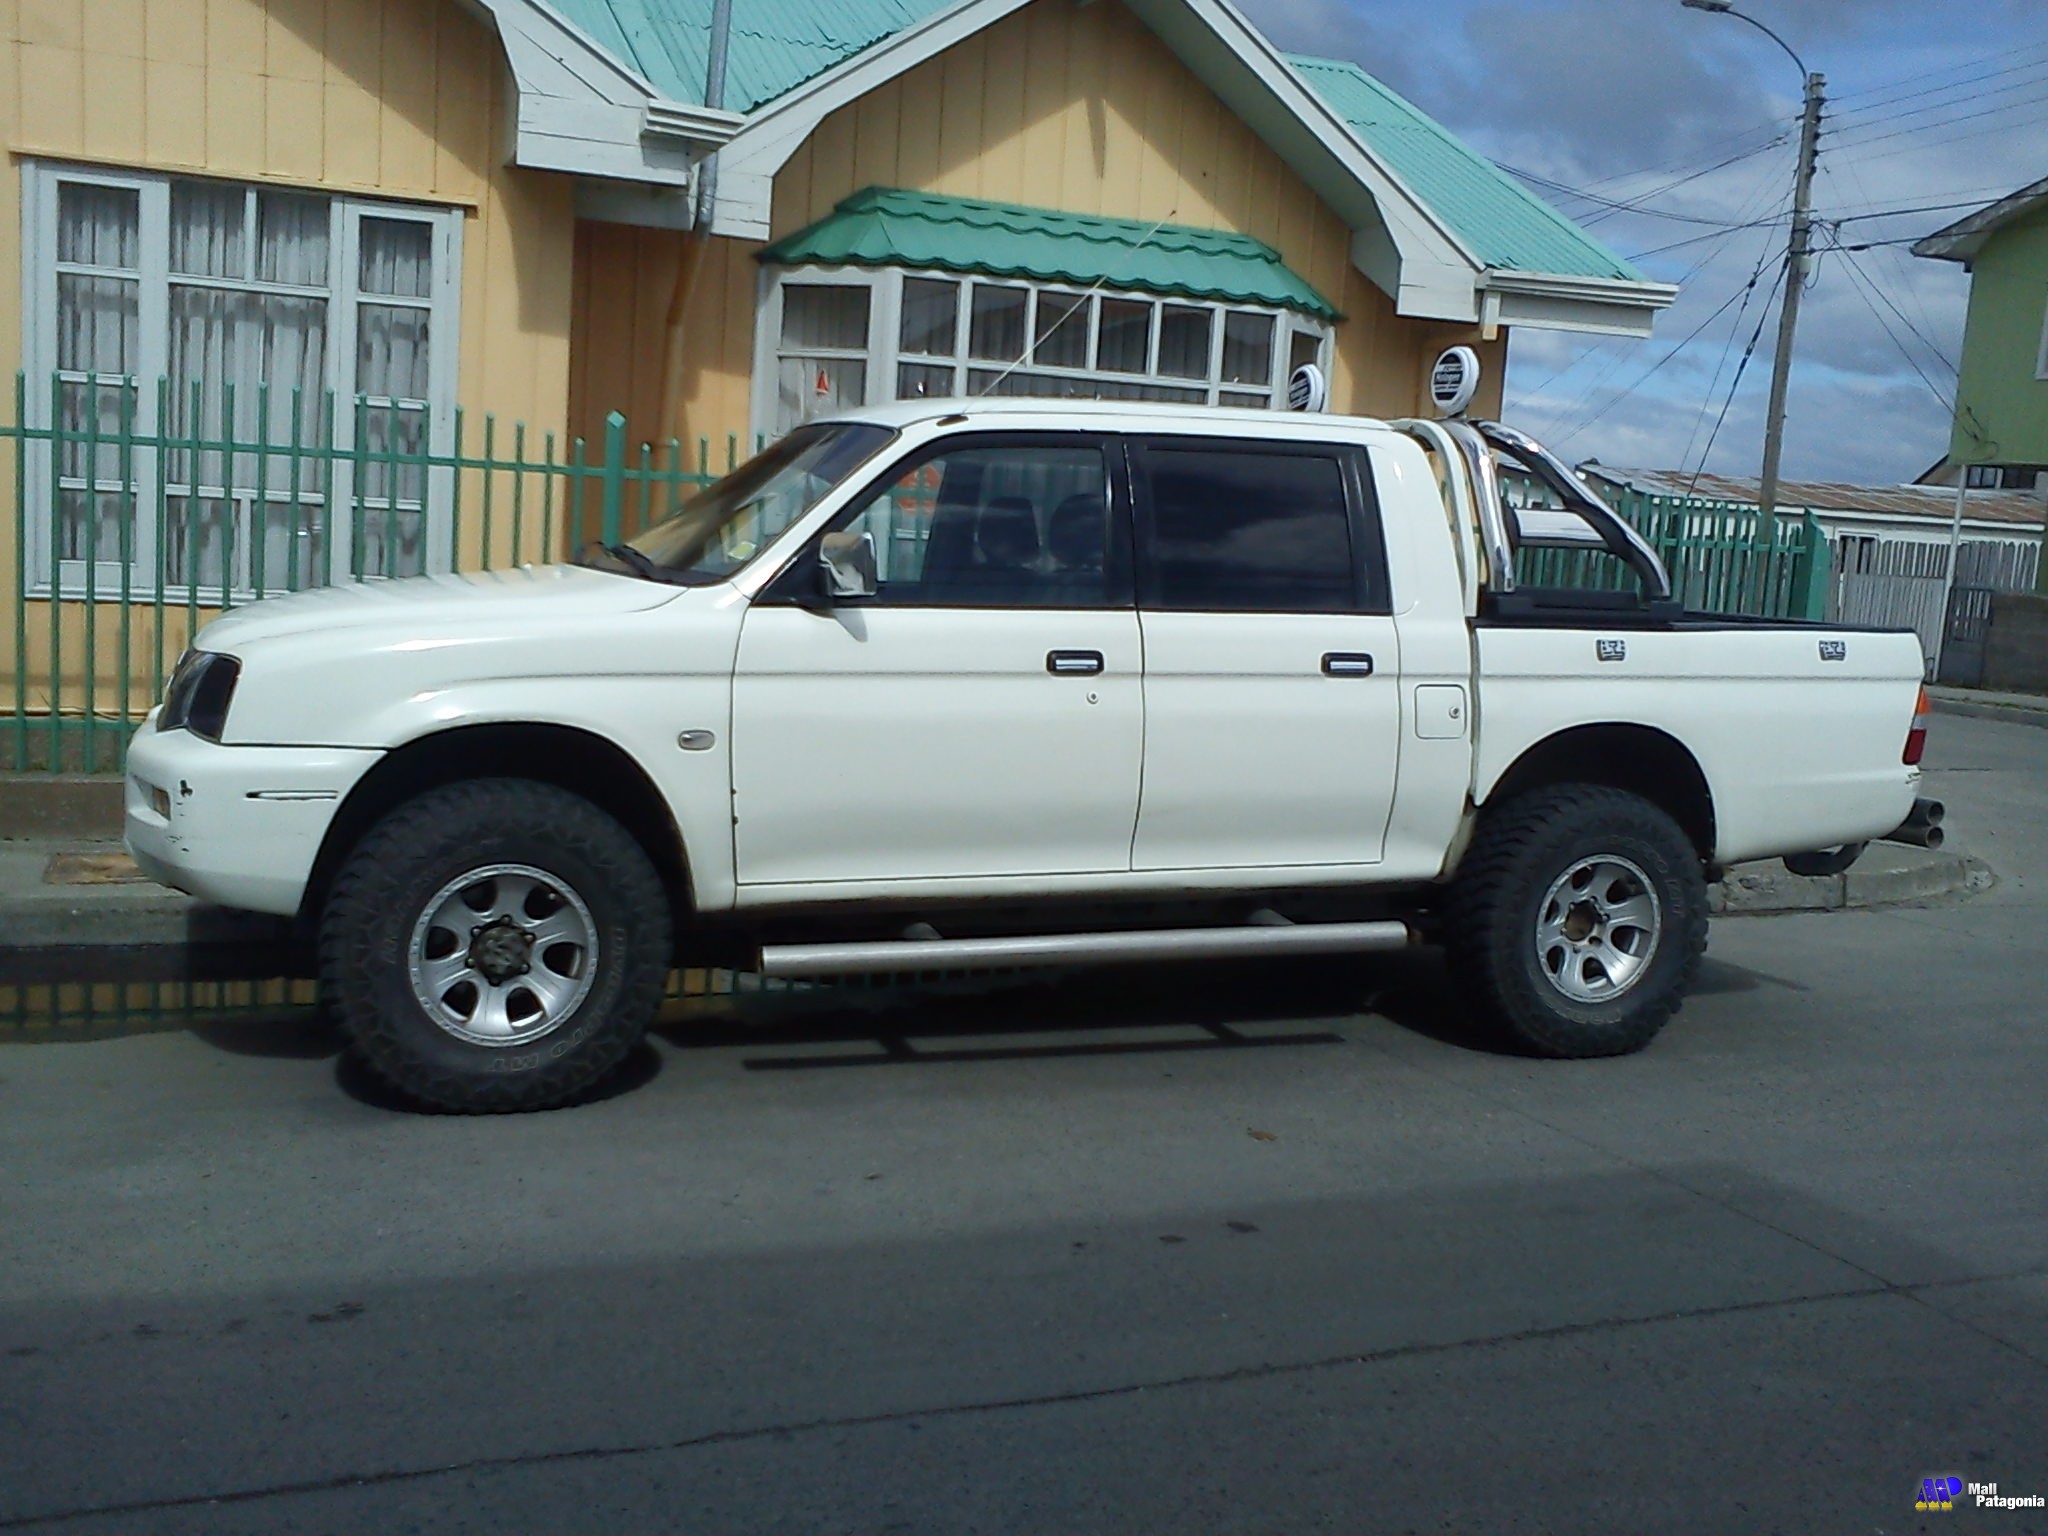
{"x":881,"y":227}
{"x":1505,"y":225}
{"x":776,"y":44}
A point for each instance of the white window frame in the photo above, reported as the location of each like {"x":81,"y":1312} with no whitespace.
{"x":343,"y":294}
{"x":884,"y":352}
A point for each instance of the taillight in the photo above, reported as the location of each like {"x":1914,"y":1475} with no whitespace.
{"x":1916,"y":738}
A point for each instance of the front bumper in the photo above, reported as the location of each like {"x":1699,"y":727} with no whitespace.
{"x":237,"y":826}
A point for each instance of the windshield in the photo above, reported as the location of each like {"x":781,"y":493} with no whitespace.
{"x":727,"y":523}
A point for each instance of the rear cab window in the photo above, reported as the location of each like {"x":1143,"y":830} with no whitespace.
{"x":1230,"y":525}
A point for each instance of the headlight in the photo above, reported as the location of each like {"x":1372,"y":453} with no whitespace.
{"x":200,"y":691}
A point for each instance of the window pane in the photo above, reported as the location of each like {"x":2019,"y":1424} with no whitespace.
{"x":1063,"y":321}
{"x":1245,"y":400}
{"x":391,"y":352}
{"x":1237,"y":529}
{"x":393,"y":439}
{"x":1020,"y":383}
{"x":1004,"y":527}
{"x":931,"y":317}
{"x":96,"y":326}
{"x":286,"y":549}
{"x":222,"y":338}
{"x":1305,"y":348}
{"x":196,"y":541}
{"x":1126,"y":336}
{"x":1247,"y":348}
{"x":818,"y":315}
{"x":97,"y":413}
{"x":291,"y":239}
{"x":1184,"y":341}
{"x":207,"y":238}
{"x":997,"y":332}
{"x":397,"y":258}
{"x":923,"y":381}
{"x":816,"y":386}
{"x":94,"y":528}
{"x":98,"y":226}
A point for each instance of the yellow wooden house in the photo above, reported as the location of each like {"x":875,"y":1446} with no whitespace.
{"x":366,"y":227}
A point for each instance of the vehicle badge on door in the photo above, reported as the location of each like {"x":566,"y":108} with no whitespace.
{"x":1612,"y":650}
{"x":1834,"y":650}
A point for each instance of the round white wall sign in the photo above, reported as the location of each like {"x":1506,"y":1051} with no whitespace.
{"x":1454,"y":380}
{"x":1307,"y":389}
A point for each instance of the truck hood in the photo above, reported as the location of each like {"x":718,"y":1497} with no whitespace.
{"x":481,"y":605}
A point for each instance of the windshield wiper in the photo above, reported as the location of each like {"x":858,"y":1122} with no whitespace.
{"x":633,"y":560}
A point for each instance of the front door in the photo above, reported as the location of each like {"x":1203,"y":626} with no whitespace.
{"x":980,"y":715}
{"x":1272,"y":666}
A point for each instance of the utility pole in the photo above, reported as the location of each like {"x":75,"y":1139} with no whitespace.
{"x":1797,"y":255}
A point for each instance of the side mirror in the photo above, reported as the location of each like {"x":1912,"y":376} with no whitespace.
{"x":847,"y":565}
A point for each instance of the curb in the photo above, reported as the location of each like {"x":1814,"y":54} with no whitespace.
{"x":1979,"y":709}
{"x":1912,"y":875}
{"x":61,"y":806}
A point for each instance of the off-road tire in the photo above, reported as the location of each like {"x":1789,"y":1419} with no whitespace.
{"x":1521,"y":849}
{"x":383,"y":889}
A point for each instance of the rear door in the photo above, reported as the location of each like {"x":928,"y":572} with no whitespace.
{"x":1272,"y":667}
{"x":979,"y":716}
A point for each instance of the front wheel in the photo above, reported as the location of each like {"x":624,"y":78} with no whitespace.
{"x":1578,"y":920}
{"x":495,"y":945}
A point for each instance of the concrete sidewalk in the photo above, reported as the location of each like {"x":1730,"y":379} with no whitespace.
{"x":76,"y":910}
{"x":1983,"y":704}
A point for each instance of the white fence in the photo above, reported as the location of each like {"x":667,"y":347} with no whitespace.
{"x":1900,"y":583}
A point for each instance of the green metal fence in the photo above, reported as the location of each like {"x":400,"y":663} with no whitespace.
{"x":140,"y":512}
{"x":1722,"y":558}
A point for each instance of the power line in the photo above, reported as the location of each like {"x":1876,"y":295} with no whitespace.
{"x":1857,"y":282}
{"x":1946,"y":361}
{"x":1734,"y":384}
{"x":1852,"y":142}
{"x":1714,"y":383}
{"x":1645,"y":376}
{"x":1876,"y":111}
{"x":1640,"y":204}
{"x":1944,"y":69}
{"x":1933,"y":143}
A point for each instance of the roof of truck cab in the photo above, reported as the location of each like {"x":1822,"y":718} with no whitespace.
{"x":1084,"y":414}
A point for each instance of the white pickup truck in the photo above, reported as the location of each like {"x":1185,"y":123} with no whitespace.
{"x":942,"y":686}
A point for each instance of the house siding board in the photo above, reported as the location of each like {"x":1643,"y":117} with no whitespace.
{"x":2003,"y":407}
{"x":1142,"y":140}
{"x":389,"y":98}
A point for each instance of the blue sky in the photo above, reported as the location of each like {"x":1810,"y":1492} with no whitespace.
{"x":1930,"y":103}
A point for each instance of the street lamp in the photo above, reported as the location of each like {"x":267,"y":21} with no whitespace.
{"x":1797,"y":253}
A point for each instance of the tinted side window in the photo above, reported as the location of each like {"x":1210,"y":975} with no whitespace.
{"x":1012,"y":525}
{"x":1237,"y":528}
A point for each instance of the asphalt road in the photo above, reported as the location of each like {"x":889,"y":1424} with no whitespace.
{"x":1201,"y":1254}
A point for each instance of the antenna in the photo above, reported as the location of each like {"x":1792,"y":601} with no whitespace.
{"x":1031,"y":342}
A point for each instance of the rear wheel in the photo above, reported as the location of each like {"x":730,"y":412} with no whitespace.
{"x":495,"y":945}
{"x":1578,"y":920}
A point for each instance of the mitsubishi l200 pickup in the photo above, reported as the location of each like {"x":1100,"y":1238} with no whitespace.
{"x":1002,"y":683}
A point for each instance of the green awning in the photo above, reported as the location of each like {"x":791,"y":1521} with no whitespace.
{"x":882,"y":227}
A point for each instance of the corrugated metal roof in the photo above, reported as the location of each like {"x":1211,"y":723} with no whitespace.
{"x":776,"y":44}
{"x":1933,"y":502}
{"x":1505,"y":224}
{"x":883,"y":227}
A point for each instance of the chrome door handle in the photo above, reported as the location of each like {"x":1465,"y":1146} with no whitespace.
{"x":1073,"y":663}
{"x":1346,"y":664}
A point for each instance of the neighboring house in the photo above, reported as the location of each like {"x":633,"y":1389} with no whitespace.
{"x":419,"y":212}
{"x":2001,"y":426}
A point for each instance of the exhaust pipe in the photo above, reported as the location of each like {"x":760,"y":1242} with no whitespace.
{"x":1922,"y":828}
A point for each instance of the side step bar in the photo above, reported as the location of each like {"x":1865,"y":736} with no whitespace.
{"x":937,"y":954}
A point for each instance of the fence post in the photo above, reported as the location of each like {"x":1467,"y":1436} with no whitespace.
{"x":614,"y":474}
{"x":1812,"y":573}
